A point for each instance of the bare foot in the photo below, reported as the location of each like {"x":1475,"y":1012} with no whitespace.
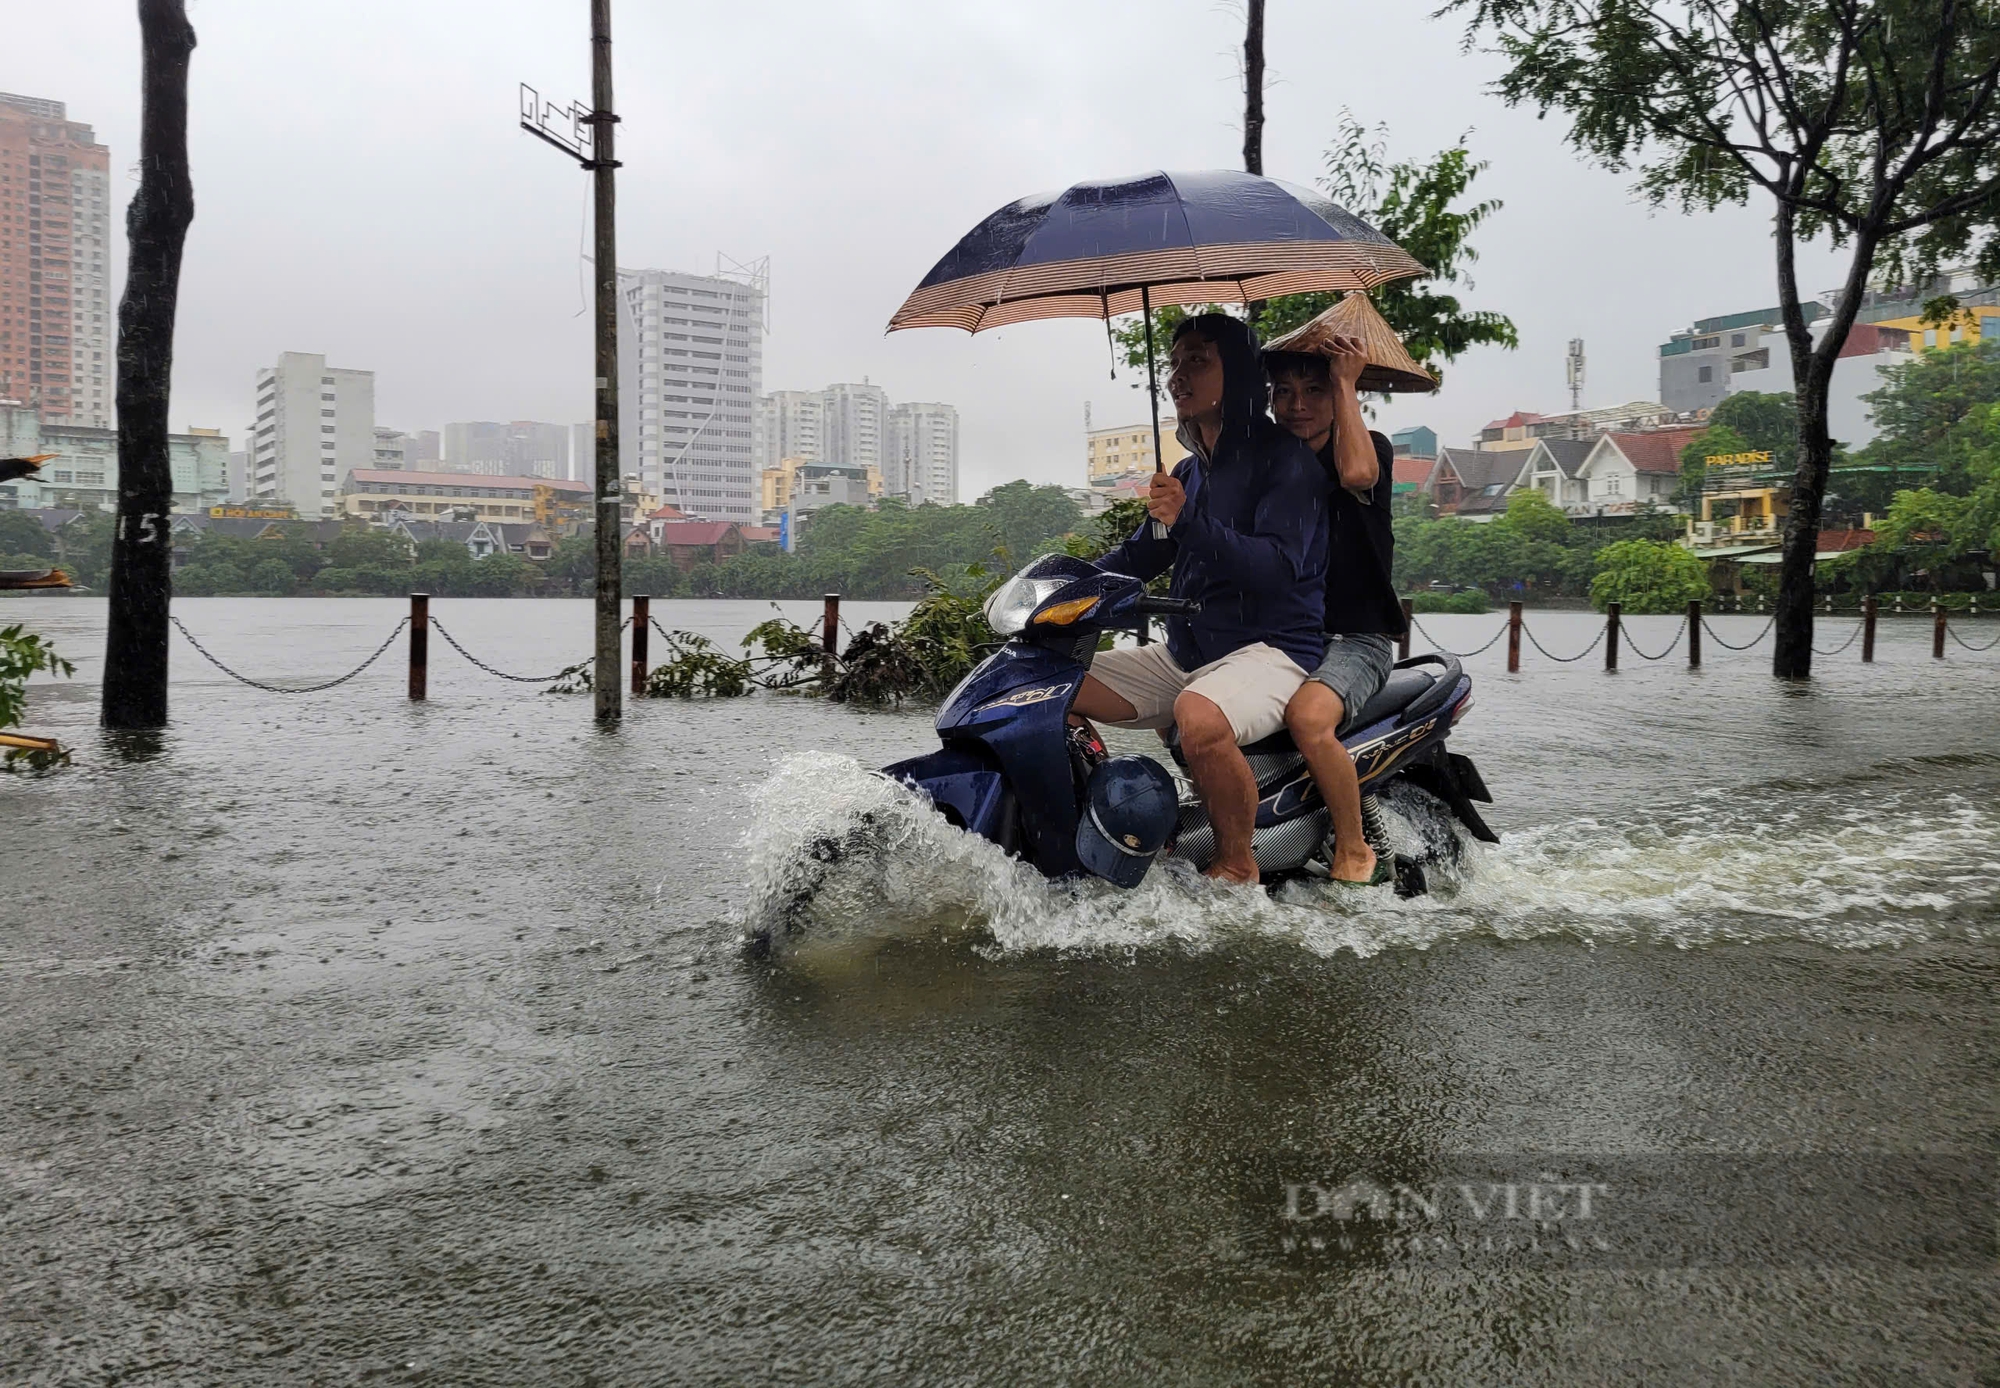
{"x":1242,"y":874}
{"x":1356,"y":866}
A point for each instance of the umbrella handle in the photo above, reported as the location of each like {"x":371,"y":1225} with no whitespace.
{"x":1153,"y":391}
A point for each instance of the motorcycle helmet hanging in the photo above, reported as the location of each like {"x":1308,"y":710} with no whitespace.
{"x":1131,"y":806}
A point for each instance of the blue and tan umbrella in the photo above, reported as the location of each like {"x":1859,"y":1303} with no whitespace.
{"x":1118,"y":246}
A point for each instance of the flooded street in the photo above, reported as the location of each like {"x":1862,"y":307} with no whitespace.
{"x":347,"y":1040}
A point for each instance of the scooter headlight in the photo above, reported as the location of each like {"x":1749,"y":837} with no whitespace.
{"x":1014,"y":601}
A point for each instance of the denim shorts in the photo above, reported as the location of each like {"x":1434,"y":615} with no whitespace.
{"x":1355,"y":667}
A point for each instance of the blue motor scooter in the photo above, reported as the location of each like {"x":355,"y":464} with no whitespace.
{"x":1012,"y":769}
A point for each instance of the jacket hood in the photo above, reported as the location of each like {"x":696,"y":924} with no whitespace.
{"x":1245,"y":391}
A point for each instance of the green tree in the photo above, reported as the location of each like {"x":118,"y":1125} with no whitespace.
{"x":1768,"y":422}
{"x":1535,"y":518}
{"x":271,"y":577}
{"x":364,"y":547}
{"x":1648,"y":576}
{"x":1717,"y":440}
{"x":1923,"y":412}
{"x":1026,"y":516}
{"x":502,"y":575}
{"x":1869,"y":123}
{"x":1425,"y":208}
{"x":21,"y":533}
{"x":1422,"y":207}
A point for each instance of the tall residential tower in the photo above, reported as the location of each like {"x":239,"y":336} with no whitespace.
{"x":921,"y":461}
{"x":55,"y":237}
{"x":690,"y":366}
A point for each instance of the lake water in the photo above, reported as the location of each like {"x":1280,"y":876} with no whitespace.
{"x":344,"y":1039}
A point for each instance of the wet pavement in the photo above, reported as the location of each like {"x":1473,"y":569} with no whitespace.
{"x":344,"y":1040}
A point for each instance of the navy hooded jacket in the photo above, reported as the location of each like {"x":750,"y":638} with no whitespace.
{"x":1250,"y":545}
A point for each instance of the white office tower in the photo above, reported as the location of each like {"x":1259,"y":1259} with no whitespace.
{"x":690,"y":366}
{"x":789,"y":425}
{"x":854,"y":425}
{"x":922,"y":461}
{"x":314,"y":424}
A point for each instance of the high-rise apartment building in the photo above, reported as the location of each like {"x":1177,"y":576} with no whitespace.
{"x":315,"y":423}
{"x":854,"y":424}
{"x":921,"y":461}
{"x":691,"y":364}
{"x":55,"y":239}
{"x":789,"y":426}
{"x":523,"y":448}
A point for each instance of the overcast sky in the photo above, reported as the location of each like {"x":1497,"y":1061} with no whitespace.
{"x":362,"y":190}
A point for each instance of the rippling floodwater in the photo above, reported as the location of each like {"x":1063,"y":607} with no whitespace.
{"x":347,"y":1040}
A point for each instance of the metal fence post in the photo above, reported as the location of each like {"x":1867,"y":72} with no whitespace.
{"x":1403,"y":641}
{"x":420,"y":646}
{"x":642,"y":616}
{"x":1868,"y":630}
{"x":1937,"y":630}
{"x":1611,"y":611}
{"x":1513,"y":638}
{"x":1694,"y":633}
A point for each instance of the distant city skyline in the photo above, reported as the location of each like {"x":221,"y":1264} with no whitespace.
{"x":472,"y":303}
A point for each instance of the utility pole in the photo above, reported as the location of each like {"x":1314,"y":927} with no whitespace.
{"x":135,"y":642}
{"x":586,"y":136}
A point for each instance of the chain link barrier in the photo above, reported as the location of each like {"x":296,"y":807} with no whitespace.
{"x":1458,"y":655}
{"x":1852,"y":637}
{"x":1952,"y":632}
{"x":452,"y":641}
{"x":268,"y":688}
{"x":1679,"y":632}
{"x":1596,"y":641}
{"x":1732,"y":646}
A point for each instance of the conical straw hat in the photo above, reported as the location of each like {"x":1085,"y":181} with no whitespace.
{"x":1390,"y":367}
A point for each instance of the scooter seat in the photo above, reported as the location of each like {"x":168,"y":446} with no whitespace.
{"x":1405,"y":690}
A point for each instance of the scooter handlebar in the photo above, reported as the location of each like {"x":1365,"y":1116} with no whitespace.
{"x":1167,"y":607}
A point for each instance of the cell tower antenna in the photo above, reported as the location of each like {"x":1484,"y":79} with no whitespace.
{"x":755,"y":273}
{"x":1575,"y":369}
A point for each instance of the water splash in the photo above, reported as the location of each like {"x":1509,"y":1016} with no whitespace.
{"x":840,"y":859}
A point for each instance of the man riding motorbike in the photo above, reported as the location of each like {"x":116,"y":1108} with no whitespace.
{"x":1246,"y":519}
{"x":1314,"y":397}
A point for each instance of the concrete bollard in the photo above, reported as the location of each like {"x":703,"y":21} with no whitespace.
{"x":1694,"y":634}
{"x":1868,"y":630}
{"x":1513,"y":638}
{"x":1611,"y":611}
{"x":1937,"y":630}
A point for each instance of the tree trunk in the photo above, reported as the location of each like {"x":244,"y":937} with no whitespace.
{"x":1253,"y":89}
{"x":1253,"y":112}
{"x":135,"y":645}
{"x":1812,"y":380}
{"x":1792,"y":656}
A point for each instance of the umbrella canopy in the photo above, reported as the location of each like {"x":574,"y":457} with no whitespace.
{"x":1390,"y":365}
{"x":1184,"y":238}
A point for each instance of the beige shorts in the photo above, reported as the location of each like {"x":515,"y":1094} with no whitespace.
{"x":1251,"y":686}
